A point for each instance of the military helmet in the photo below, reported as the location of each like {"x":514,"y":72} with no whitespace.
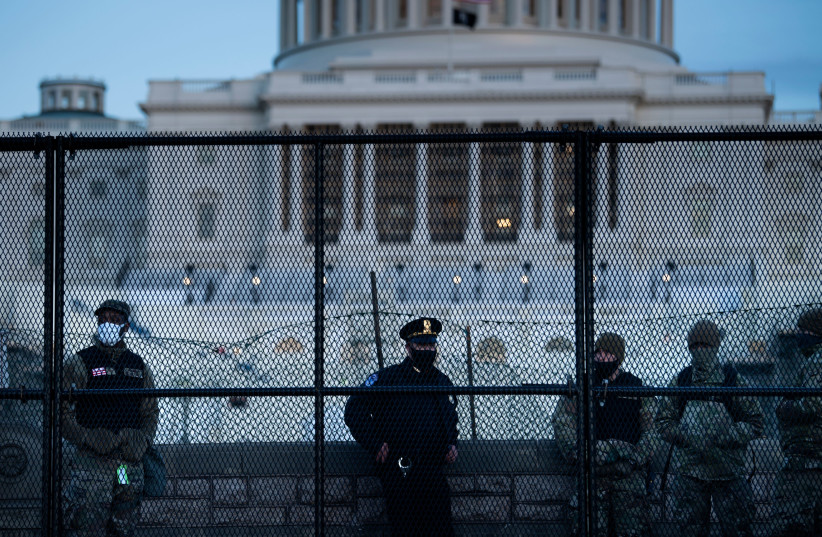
{"x":705,"y":333}
{"x":613,"y":344}
{"x":114,"y":305}
{"x":811,"y":321}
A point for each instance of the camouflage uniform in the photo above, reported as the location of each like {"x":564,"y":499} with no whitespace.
{"x":98,"y":501}
{"x":798,"y":489}
{"x":621,"y":466}
{"x":710,"y":449}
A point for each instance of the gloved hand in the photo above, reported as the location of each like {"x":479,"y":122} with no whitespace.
{"x":100,"y":441}
{"x":605,"y":453}
{"x":724,"y":437}
{"x":790,"y":411}
{"x":133,"y":444}
{"x":625,"y":450}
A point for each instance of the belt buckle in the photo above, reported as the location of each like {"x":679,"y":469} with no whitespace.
{"x":405,"y":465}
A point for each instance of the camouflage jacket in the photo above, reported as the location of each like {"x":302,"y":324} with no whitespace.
{"x":709,"y":443}
{"x":801,"y":427}
{"x":623,"y":457}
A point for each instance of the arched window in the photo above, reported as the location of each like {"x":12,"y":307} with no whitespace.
{"x":500,"y":186}
{"x":395,"y":179}
{"x":207,"y":208}
{"x":701,"y":198}
{"x":447,"y":187}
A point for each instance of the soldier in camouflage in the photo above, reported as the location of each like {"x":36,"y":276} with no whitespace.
{"x":103,"y":483}
{"x":798,"y":490}
{"x":710,"y":436}
{"x":625,"y":444}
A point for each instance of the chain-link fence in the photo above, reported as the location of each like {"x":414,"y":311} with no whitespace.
{"x":619,"y":348}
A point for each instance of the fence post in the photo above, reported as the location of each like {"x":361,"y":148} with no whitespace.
{"x":47,"y":525}
{"x":319,"y":344}
{"x":59,"y":300}
{"x":584,"y":317}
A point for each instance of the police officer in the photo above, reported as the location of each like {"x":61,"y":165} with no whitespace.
{"x":104,"y":482}
{"x":798,"y":490}
{"x":710,"y":435}
{"x":624,"y":446}
{"x":410,"y":435}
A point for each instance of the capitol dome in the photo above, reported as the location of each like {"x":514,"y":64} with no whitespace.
{"x":341,"y":34}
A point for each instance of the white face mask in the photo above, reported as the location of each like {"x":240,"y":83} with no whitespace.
{"x":109,"y":333}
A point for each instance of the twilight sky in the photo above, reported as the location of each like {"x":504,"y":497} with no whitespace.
{"x":128,"y":42}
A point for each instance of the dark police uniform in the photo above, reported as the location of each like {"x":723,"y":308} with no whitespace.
{"x":418,"y":429}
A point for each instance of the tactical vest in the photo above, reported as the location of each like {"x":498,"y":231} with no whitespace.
{"x":103,"y":373}
{"x":618,"y":418}
{"x":685,"y":379}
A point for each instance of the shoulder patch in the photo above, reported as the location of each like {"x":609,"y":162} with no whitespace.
{"x":371,"y":380}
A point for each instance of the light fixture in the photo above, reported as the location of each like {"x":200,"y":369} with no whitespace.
{"x":666,"y":277}
{"x":503,"y":222}
{"x":186,"y":281}
{"x":256,"y":280}
{"x":457,"y":279}
{"x":524,"y":279}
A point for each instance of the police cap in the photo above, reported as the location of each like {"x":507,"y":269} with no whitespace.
{"x":114,"y":305}
{"x":704,"y":333}
{"x":423,"y":330}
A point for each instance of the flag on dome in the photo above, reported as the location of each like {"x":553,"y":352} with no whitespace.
{"x":465,"y":17}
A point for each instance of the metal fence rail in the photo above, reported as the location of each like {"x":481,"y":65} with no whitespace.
{"x":269,"y":274}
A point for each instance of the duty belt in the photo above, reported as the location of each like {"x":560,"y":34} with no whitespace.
{"x":405,"y":465}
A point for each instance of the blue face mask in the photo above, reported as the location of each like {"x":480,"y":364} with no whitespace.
{"x":109,"y":333}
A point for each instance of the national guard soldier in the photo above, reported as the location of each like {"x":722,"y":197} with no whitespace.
{"x":104,"y":482}
{"x":798,"y":490}
{"x":624,"y":446}
{"x":410,"y":435}
{"x":710,"y":435}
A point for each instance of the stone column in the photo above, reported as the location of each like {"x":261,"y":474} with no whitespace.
{"x":295,"y":202}
{"x":569,"y":13}
{"x":308,"y":19}
{"x":482,"y":15}
{"x":584,"y":15}
{"x":613,"y":17}
{"x":652,"y":29}
{"x":667,"y":30}
{"x":602,"y":191}
{"x":447,"y":13}
{"x":548,"y":232}
{"x":325,"y":24}
{"x":421,"y":234}
{"x":275,"y":195}
{"x":379,"y":14}
{"x":351,"y":17}
{"x":413,"y":14}
{"x":369,"y":201}
{"x":473,"y":233}
{"x":635,"y":30}
{"x":515,"y":16}
{"x":285,"y":20}
{"x":348,"y":228}
{"x":526,"y":225}
{"x":546,"y":15}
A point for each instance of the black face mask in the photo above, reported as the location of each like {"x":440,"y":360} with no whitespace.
{"x":423,"y":359}
{"x":604,"y":370}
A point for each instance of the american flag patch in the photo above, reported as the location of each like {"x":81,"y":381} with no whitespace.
{"x":98,"y":371}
